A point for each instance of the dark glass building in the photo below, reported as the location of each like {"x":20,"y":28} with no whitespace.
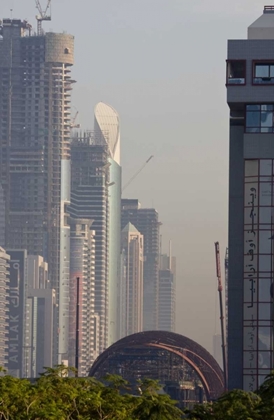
{"x":250,"y":97}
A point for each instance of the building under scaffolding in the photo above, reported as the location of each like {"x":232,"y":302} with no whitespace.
{"x":184,"y":368}
{"x":35,"y":90}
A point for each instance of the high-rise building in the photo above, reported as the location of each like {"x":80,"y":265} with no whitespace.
{"x":89,"y":200}
{"x":147,"y":223}
{"x":167,"y":293}
{"x":250,"y":96}
{"x":82,"y":270}
{"x":4,"y":307}
{"x":35,"y":90}
{"x":107,"y":130}
{"x":17,"y":311}
{"x":39,"y":318}
{"x":41,"y":305}
{"x":131,"y":286}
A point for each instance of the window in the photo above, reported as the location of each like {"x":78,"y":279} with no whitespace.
{"x":259,"y":119}
{"x":235,"y":72}
{"x":263,"y":73}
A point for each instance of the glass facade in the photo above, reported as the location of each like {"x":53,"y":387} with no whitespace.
{"x":114,"y":249}
{"x":258,"y":271}
{"x":263,"y":73}
{"x":259,"y":118}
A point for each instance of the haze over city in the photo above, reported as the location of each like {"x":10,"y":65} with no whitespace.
{"x":162,"y":66}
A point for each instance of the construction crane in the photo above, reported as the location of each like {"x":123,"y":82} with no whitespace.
{"x":137,"y":173}
{"x":220,"y":290}
{"x":43,"y":15}
{"x":73,"y":121}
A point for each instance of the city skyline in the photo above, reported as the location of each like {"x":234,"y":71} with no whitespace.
{"x":149,"y":77}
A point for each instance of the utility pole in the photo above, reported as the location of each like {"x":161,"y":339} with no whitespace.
{"x":220,"y":290}
{"x":77,"y":325}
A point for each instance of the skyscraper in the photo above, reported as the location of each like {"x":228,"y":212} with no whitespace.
{"x":82,"y":267}
{"x":107,"y":131}
{"x":131,"y":286}
{"x":89,"y":200}
{"x":250,"y":96}
{"x":40,"y":311}
{"x":35,"y":90}
{"x":4,"y":307}
{"x":147,"y":223}
{"x":167,"y":293}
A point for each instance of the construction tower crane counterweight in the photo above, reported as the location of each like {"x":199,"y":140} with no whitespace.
{"x":43,"y":15}
{"x":220,"y":289}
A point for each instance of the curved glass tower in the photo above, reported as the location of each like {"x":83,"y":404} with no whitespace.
{"x":107,"y":131}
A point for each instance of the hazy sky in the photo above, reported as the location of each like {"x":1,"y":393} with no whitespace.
{"x":161,"y":64}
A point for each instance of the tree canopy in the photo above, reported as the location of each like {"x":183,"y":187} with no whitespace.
{"x":58,"y":394}
{"x":239,"y":405}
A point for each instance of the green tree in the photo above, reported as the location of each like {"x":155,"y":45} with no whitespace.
{"x":59,"y":395}
{"x":233,"y":405}
{"x":266,"y":393}
{"x":152,"y":405}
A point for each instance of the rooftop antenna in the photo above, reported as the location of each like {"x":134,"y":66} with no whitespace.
{"x":43,"y":15}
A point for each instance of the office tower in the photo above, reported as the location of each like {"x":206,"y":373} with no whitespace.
{"x":4,"y":307}
{"x":41,"y":304}
{"x":250,"y":96}
{"x":39,"y":318}
{"x":82,"y":270}
{"x":38,"y":277}
{"x":147,"y":223}
{"x":89,"y":200}
{"x":217,"y":349}
{"x":131,"y":287}
{"x":167,"y":293}
{"x":17,"y":310}
{"x":107,"y":130}
{"x":35,"y":90}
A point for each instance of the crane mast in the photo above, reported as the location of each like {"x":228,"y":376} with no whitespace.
{"x":137,"y":173}
{"x":43,"y":15}
{"x":220,"y":290}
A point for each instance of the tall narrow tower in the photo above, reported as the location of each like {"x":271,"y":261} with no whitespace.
{"x":35,"y":89}
{"x":131,"y":288}
{"x":107,"y":132}
{"x":250,"y":96}
{"x":147,"y":223}
{"x":89,"y":200}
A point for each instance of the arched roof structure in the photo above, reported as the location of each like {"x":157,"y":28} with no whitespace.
{"x":205,"y":366}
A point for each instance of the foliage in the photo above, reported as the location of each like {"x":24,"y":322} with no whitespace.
{"x":58,"y":394}
{"x":240,"y":405}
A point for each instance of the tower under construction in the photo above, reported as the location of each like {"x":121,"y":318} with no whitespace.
{"x":35,"y":88}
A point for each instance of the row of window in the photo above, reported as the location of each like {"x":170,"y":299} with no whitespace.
{"x":259,"y":118}
{"x":262,"y":72}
